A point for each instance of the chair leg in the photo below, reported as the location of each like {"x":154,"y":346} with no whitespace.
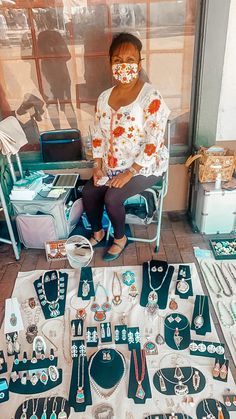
{"x":159,"y":218}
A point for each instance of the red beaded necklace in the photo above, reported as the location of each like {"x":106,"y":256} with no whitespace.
{"x":140,"y":393}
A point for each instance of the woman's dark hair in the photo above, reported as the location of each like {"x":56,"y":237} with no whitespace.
{"x":125,"y":38}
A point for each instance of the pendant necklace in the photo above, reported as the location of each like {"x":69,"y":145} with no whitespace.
{"x":182,"y":284}
{"x":218,"y":270}
{"x":199,"y":319}
{"x":62,"y":414}
{"x":116,"y":297}
{"x":160,"y":338}
{"x":53,"y":305}
{"x":152,"y":306}
{"x":35,"y":407}
{"x":32,"y":310}
{"x":85,"y":288}
{"x":44,"y":414}
{"x":218,"y":292}
{"x":54,"y":408}
{"x":24,"y":410}
{"x":81,"y":313}
{"x":224,"y":313}
{"x":13,"y":318}
{"x":100,"y":310}
{"x":180,"y":387}
{"x":140,"y":393}
{"x":80,"y":388}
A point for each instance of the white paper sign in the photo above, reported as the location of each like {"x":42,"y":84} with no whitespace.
{"x":13,"y":321}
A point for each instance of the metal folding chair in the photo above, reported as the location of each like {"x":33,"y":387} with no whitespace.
{"x":158,"y":192}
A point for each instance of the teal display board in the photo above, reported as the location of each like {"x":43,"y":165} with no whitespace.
{"x":133,"y":385}
{"x":86,"y":287}
{"x":177,"y":331}
{"x":105,"y":370}
{"x":210,"y":406}
{"x":51,"y":402}
{"x":51,"y":292}
{"x":201,"y":322}
{"x":3,"y":366}
{"x":208,"y":349}
{"x":155,"y":275}
{"x":168,"y":375}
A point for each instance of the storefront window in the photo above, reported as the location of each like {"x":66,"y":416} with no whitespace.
{"x":54,"y":59}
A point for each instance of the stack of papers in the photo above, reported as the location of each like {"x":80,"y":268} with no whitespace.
{"x":26,"y":189}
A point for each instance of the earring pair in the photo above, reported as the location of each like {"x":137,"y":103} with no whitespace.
{"x":220,"y":371}
{"x":106,"y":356}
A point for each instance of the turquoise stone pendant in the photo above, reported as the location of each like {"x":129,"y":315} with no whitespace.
{"x":44,"y":415}
{"x":80,"y":395}
{"x":140,"y":393}
{"x":23,"y":415}
{"x":53,"y":415}
{"x":34,"y":416}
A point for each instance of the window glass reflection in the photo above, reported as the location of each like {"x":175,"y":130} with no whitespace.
{"x":15,"y":34}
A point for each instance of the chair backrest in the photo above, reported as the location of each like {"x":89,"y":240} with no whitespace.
{"x":167,"y":144}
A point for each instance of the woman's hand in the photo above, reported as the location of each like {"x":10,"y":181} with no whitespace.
{"x":120,"y":180}
{"x":97,"y":174}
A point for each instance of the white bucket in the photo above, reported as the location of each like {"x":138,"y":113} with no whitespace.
{"x":79,"y":251}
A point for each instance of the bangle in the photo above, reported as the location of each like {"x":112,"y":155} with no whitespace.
{"x":96,"y":165}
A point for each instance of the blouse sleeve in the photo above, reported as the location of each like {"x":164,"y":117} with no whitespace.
{"x":98,"y":138}
{"x":156,"y":114}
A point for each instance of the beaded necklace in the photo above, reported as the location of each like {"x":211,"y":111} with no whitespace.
{"x":140,"y":393}
{"x":100,"y":310}
{"x":222,"y":310}
{"x":53,"y":305}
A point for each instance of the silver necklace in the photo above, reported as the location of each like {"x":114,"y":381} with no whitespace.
{"x":180,"y":388}
{"x":152,"y":305}
{"x":208,"y":412}
{"x":80,"y":389}
{"x":217,"y":292}
{"x":53,"y":305}
{"x":24,"y":410}
{"x":228,"y":293}
{"x":62,"y":414}
{"x":199,"y":319}
{"x":35,"y":407}
{"x":223,"y":311}
{"x":54,"y":408}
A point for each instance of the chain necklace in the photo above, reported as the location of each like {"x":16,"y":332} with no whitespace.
{"x":80,"y":389}
{"x":218,"y":293}
{"x":81,"y":313}
{"x":24,"y":410}
{"x":216,"y":268}
{"x":176,"y":337}
{"x":180,"y":388}
{"x":140,"y":393}
{"x":232,"y":270}
{"x":62,"y":414}
{"x":100,"y":310}
{"x":199,"y":319}
{"x":35,"y":407}
{"x":152,"y":306}
{"x":116,"y":297}
{"x":54,"y":408}
{"x":223,"y":310}
{"x":233,"y":308}
{"x":207,"y":410}
{"x":32,"y":310}
{"x":97,"y":388}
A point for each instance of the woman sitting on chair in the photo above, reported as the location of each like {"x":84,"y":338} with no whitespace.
{"x":128,"y":143}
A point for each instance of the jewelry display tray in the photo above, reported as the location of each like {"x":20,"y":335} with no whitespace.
{"x":120,"y":403}
{"x":166,"y":416}
{"x":39,"y":411}
{"x":219,"y":256}
{"x":29,"y":388}
{"x":169,"y":373}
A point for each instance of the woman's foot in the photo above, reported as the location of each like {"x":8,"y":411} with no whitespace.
{"x":97,"y":237}
{"x":116,"y":249}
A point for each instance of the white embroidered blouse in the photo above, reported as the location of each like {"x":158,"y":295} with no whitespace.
{"x":133,"y":133}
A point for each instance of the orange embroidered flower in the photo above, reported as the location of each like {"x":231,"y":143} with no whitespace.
{"x":112,"y":161}
{"x":130,"y":135}
{"x":119,"y":115}
{"x":154,"y":106}
{"x":118,"y":131}
{"x":104,"y":114}
{"x":150,"y":149}
{"x":97,"y":142}
{"x":131,"y":129}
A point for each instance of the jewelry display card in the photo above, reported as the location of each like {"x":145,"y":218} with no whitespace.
{"x":184,"y":286}
{"x":80,"y":391}
{"x":211,"y":408}
{"x":121,"y":337}
{"x":220,"y":370}
{"x":51,"y":289}
{"x":3,"y":364}
{"x":13,"y":320}
{"x":92,"y":337}
{"x":167,"y":416}
{"x":208,"y":349}
{"x":4,"y":390}
{"x":136,"y":372}
{"x":86,"y":286}
{"x":13,"y":345}
{"x":167,"y":381}
{"x":105,"y":332}
{"x":134,"y":339}
{"x":77,"y":327}
{"x":201,"y":322}
{"x":230,"y":401}
{"x":157,"y":277}
{"x":177,"y":331}
{"x":44,"y":405}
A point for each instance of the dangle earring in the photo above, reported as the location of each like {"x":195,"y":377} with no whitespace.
{"x":223,"y":371}
{"x":16,"y":344}
{"x":216,"y":370}
{"x":196,"y":380}
{"x":10,"y":347}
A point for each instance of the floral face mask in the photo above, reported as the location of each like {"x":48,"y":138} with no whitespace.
{"x":125,"y":72}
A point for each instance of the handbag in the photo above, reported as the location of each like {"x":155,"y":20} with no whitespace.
{"x":213,"y":161}
{"x":61,"y":145}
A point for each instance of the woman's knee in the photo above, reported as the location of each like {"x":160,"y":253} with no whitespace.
{"x":88,"y":191}
{"x":112,"y":198}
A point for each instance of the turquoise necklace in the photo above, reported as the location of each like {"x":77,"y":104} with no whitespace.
{"x":34,"y":416}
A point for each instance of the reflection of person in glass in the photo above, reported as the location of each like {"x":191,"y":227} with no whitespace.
{"x":52,"y":44}
{"x":128,"y":144}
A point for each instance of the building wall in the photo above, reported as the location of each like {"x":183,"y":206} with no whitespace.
{"x":226,"y":126}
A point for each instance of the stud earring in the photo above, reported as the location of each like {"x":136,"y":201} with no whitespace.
{"x":216,"y":370}
{"x":108,"y":356}
{"x":104,"y":356}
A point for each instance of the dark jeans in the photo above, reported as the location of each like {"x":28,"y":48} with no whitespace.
{"x":94,"y":198}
